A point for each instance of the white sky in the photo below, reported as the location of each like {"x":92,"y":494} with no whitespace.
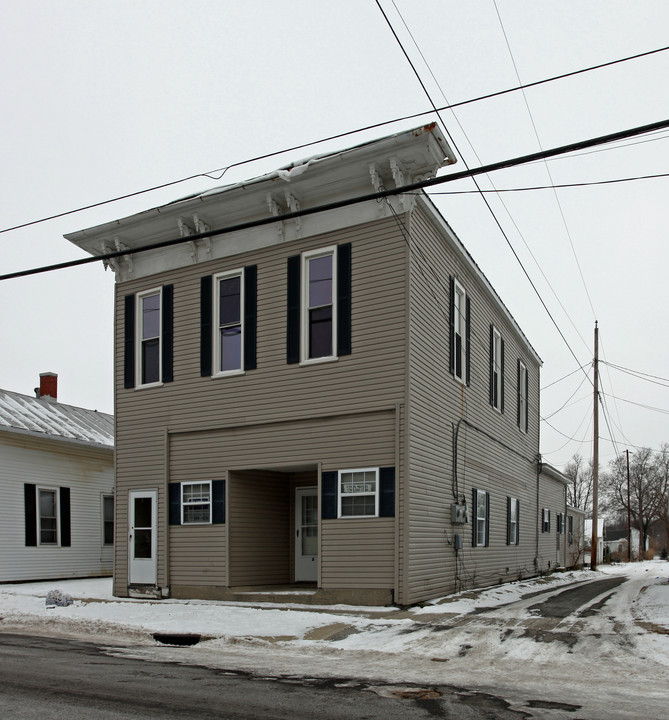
{"x":103,"y":99}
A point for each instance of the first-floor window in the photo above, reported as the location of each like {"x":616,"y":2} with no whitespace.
{"x":196,"y":503}
{"x":570,"y":524}
{"x":108,"y":519}
{"x":560,"y":523}
{"x":48,"y":517}
{"x":358,"y":493}
{"x":545,"y":520}
{"x":513,"y":512}
{"x":481,"y":517}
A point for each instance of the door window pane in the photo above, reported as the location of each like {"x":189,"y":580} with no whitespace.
{"x":142,"y":544}
{"x":143,"y":512}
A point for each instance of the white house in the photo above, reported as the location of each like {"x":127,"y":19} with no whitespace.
{"x":57,"y":483}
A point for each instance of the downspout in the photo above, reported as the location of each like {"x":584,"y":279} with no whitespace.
{"x":536,"y":524}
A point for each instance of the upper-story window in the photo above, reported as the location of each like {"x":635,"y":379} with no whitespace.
{"x":229,"y":322}
{"x":318,"y":327}
{"x":523,"y":385}
{"x":319,"y":312}
{"x":459,"y":335}
{"x":496,"y":369}
{"x":148,"y":338}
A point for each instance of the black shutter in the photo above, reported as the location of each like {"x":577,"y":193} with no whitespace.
{"x":468,"y":326}
{"x":65,"y":535}
{"x":487,"y":519}
{"x":218,"y":501}
{"x":129,"y":343}
{"x":174,"y":500}
{"x":527,"y":401}
{"x":205,"y":325}
{"x":508,"y":520}
{"x":293,"y":310}
{"x":250,"y":316}
{"x":451,"y":322}
{"x":501,"y":379}
{"x":168,"y":333}
{"x":387,"y":492}
{"x":329,"y":495}
{"x":517,"y":522}
{"x":491,"y":389}
{"x":474,"y":518}
{"x":518,"y":397}
{"x":344,"y":299}
{"x":30,"y":510}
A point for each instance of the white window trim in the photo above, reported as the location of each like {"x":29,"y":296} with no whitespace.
{"x":56,"y":492}
{"x":138,"y":338}
{"x":102,"y":517}
{"x":522,"y":394}
{"x":514,"y":507}
{"x":340,"y":494}
{"x":545,"y":520}
{"x":460,"y":324}
{"x":304,"y":305}
{"x":196,"y":504}
{"x":216,"y":324}
{"x":496,"y":365}
{"x":481,"y":494}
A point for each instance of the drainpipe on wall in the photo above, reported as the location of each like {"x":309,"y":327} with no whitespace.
{"x":536,"y":524}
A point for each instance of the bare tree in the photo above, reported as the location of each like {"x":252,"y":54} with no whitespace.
{"x":648,"y":486}
{"x":579,"y":492}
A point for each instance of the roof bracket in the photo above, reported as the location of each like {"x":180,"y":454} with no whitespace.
{"x":377,"y":184}
{"x":295,"y":206}
{"x":130,"y":264}
{"x":275,"y":209}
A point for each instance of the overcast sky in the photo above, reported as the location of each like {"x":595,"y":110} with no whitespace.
{"x":103,"y":99}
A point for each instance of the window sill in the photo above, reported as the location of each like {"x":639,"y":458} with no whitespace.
{"x":149,"y":385}
{"x":319,"y":361}
{"x":228,"y":373}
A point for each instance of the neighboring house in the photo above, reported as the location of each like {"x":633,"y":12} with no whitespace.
{"x":576,"y":541}
{"x":616,"y":545}
{"x":554,"y":523}
{"x":57,"y":482}
{"x":588,"y":541}
{"x":338,"y":401}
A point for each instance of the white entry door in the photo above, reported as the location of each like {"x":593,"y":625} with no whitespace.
{"x":142,"y":540}
{"x":306,"y":534}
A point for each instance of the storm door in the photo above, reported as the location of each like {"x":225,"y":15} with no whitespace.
{"x":306,"y":534}
{"x":142,"y":540}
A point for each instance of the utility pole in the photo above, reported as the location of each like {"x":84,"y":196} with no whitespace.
{"x":595,"y":456}
{"x":629,"y":528}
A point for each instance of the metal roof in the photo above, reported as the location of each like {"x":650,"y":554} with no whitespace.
{"x":47,"y":418}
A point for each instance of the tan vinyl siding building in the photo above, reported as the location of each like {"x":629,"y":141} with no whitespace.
{"x":303,"y":402}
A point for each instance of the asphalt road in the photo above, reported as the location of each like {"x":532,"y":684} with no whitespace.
{"x":56,"y":679}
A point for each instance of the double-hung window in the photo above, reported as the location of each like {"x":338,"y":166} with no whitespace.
{"x":481,"y":529}
{"x":522,"y":397}
{"x":560,"y":523}
{"x":319,"y":310}
{"x":570,"y":525}
{"x":513,"y":513}
{"x":195,"y":503}
{"x":545,"y":520}
{"x":229,"y":321}
{"x":359,"y":493}
{"x":48,"y":516}
{"x":496,"y":369}
{"x":108,"y":519}
{"x":459,"y":331}
{"x":149,"y":337}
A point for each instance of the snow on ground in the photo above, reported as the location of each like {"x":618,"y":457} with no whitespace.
{"x":610,"y":663}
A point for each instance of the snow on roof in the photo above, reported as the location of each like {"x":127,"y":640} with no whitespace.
{"x":45,"y":417}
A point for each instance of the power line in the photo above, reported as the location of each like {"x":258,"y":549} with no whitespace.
{"x":551,"y":187}
{"x":222,"y":170}
{"x":430,"y":182}
{"x":640,"y":375}
{"x":564,"y":377}
{"x":483,"y":197}
{"x":641,"y":405}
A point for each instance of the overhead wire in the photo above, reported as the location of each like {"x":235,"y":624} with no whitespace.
{"x":485,"y":200}
{"x":220,"y":172}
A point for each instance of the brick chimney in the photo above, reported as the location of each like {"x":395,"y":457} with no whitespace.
{"x":48,"y":385}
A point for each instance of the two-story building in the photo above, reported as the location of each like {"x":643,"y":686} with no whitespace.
{"x":338,"y":401}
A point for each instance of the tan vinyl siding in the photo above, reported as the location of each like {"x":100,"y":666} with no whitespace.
{"x":258,"y":514}
{"x":552,"y":495}
{"x":198,"y":555}
{"x":360,"y":553}
{"x":437,"y":401}
{"x":339,"y":414}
